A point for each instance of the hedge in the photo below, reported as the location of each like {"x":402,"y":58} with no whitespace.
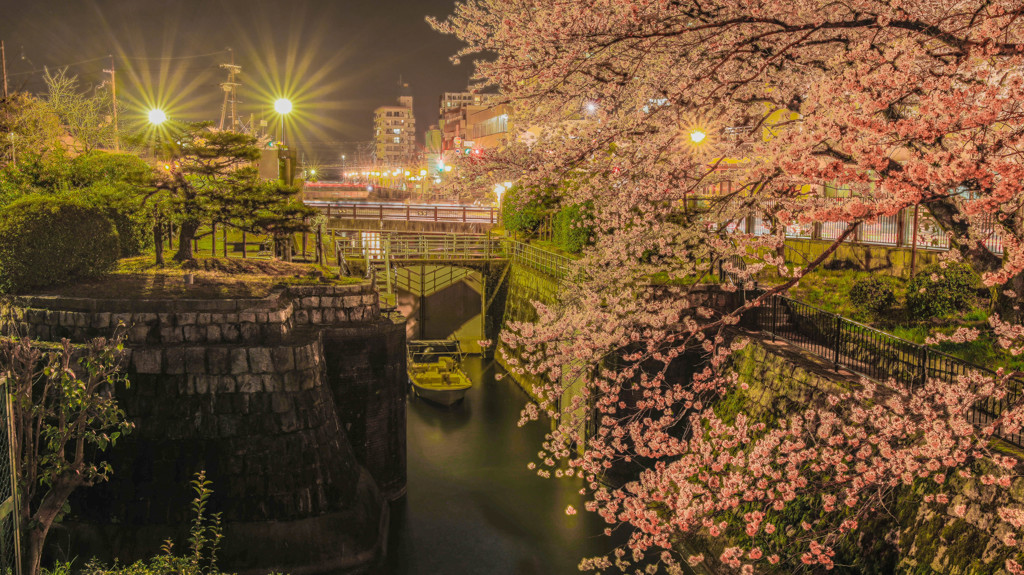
{"x":46,"y":240}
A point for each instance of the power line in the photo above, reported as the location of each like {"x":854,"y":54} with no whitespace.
{"x":122,"y":57}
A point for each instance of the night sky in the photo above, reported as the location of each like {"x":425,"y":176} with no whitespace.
{"x":336,"y":60}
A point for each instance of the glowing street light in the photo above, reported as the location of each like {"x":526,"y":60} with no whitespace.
{"x":283,"y":106}
{"x":157,"y":116}
{"x":697,"y":136}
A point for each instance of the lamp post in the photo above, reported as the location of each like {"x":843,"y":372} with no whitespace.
{"x":283,"y":106}
{"x":499,"y":191}
{"x":156,"y":118}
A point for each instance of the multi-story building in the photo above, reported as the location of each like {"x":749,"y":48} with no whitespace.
{"x":394,"y":133}
{"x":488,"y":127}
{"x":452,"y":100}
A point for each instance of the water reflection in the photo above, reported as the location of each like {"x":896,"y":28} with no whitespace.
{"x":472,"y":505}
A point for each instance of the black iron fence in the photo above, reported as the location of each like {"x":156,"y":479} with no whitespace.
{"x":876,"y":354}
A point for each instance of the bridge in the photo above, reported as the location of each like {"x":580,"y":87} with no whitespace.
{"x":402,"y":212}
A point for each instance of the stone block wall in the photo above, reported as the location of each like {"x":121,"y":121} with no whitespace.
{"x":866,"y":257}
{"x":174,"y":322}
{"x":240,"y":388}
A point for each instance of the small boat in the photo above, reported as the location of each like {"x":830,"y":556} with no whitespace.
{"x":435,"y":371}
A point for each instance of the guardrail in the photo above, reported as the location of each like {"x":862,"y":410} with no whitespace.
{"x":897,"y":230}
{"x":380,"y":246}
{"x":400,"y":212}
{"x":553,"y":264}
{"x":876,"y":354}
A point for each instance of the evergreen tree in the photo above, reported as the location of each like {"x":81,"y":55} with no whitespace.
{"x":212,"y":178}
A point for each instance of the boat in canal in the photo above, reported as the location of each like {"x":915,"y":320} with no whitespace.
{"x":435,"y":371}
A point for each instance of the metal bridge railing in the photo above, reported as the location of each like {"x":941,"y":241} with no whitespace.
{"x":393,"y":211}
{"x":876,"y":354}
{"x":555,"y":265}
{"x":381,"y":246}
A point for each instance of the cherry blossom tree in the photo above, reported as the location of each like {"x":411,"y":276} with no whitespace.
{"x":676,"y":120}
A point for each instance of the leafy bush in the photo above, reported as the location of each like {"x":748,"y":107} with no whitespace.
{"x":876,"y":294}
{"x":204,"y":540}
{"x":47,"y":240}
{"x":937,"y":291}
{"x":521,"y":213}
{"x":569,"y":232}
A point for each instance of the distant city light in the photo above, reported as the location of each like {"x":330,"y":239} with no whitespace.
{"x":157,"y":117}
{"x":283,"y":106}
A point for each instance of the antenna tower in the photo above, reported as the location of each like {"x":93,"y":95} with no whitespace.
{"x":230,"y":88}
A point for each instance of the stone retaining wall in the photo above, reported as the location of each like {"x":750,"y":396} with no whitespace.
{"x":172,"y":322}
{"x":912,"y":536}
{"x":241,"y":388}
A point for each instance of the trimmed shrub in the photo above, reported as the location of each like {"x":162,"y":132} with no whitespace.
{"x":936,"y":291}
{"x":520,"y":213}
{"x":569,"y":233}
{"x":876,"y":294}
{"x":46,"y":241}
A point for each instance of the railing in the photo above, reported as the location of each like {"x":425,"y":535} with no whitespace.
{"x":419,"y":246}
{"x":876,"y":354}
{"x":400,"y":212}
{"x":555,"y":265}
{"x":895,"y":230}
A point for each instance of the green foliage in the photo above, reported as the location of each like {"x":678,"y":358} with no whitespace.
{"x":30,"y":128}
{"x":876,"y":293}
{"x":64,"y":414}
{"x":937,"y":291}
{"x":212,"y":178}
{"x":47,"y":241}
{"x":570,"y":230}
{"x":520,"y":212}
{"x":112,"y":182}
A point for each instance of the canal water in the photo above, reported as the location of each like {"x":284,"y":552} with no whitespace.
{"x":472,"y":506}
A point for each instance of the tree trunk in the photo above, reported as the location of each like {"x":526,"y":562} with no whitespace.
{"x":186,"y":236}
{"x":49,"y":507}
{"x":321,"y":254}
{"x":158,"y":240}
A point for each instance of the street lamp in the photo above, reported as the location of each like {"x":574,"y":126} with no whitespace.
{"x":283,"y":106}
{"x":157,"y":116}
{"x":499,"y":190}
{"x":697,"y":136}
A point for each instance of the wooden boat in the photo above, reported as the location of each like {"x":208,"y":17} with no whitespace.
{"x":435,"y":371}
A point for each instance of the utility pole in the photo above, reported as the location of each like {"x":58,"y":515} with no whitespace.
{"x":3,"y":57}
{"x":230,"y":93}
{"x":113,"y":96}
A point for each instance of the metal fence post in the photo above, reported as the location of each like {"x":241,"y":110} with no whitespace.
{"x":837,"y":340}
{"x":924,"y":367}
{"x":774,"y":305}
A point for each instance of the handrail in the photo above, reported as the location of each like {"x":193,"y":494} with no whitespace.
{"x":876,"y":354}
{"x":555,"y":265}
{"x":396,"y":211}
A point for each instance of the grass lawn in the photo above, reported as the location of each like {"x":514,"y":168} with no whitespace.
{"x":830,"y":290}
{"x":140,"y":278}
